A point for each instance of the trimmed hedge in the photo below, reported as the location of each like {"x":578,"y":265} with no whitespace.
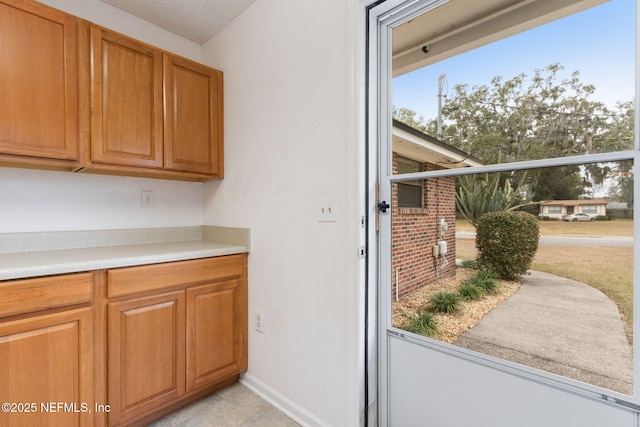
{"x":507,"y":242}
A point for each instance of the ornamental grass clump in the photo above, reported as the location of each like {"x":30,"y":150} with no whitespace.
{"x":470,"y":292}
{"x":445,"y":302}
{"x":487,"y":281}
{"x":421,"y":323}
{"x":507,"y":242}
{"x":469,"y":263}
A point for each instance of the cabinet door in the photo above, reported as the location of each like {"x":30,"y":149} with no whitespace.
{"x":47,"y":361}
{"x":193,"y":121}
{"x":146,"y":354}
{"x":126,"y":101}
{"x":215,"y":333}
{"x":39,"y":75}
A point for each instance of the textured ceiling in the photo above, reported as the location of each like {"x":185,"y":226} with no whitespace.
{"x":196,"y":20}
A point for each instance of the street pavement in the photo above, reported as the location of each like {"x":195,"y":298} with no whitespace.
{"x":559,"y":326}
{"x":569,"y":240}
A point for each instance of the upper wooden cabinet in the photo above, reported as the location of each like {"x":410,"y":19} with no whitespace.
{"x":152,"y":113}
{"x":193,"y":117}
{"x":126,"y":101}
{"x":38,"y":85}
{"x":76,"y":96}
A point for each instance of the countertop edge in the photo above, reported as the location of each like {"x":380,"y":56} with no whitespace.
{"x":21,"y":265}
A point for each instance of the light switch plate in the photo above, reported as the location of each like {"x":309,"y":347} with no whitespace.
{"x":327,"y":210}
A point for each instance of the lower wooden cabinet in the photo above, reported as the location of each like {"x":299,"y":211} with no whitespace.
{"x":123,"y":346}
{"x":146,"y":354}
{"x":215,"y":316}
{"x":46,"y":370}
{"x":174,"y":330}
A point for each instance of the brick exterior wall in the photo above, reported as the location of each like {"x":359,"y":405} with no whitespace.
{"x":415,"y":231}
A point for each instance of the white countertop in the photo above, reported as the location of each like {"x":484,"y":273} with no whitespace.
{"x":59,"y":261}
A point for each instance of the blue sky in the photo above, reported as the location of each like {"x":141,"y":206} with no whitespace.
{"x":598,"y":42}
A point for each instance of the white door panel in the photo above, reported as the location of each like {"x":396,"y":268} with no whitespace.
{"x":432,"y":388}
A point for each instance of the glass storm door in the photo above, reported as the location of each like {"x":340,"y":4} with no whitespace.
{"x":424,"y":174}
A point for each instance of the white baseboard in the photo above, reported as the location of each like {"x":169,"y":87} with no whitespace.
{"x":282,"y":403}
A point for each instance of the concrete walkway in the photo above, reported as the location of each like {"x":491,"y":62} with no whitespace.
{"x":560,"y":326}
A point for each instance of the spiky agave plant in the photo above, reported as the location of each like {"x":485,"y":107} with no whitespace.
{"x":480,"y":194}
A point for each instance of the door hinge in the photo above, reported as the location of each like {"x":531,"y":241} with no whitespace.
{"x":381,"y":206}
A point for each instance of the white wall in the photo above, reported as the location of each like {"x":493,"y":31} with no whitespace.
{"x":288,"y":143}
{"x":32,"y":200}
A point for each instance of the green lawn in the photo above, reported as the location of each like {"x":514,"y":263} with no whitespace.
{"x":609,"y":269}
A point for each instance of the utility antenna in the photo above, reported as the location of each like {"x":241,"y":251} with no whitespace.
{"x":441,"y":81}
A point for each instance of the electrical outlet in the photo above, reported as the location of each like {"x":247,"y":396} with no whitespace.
{"x":259,"y":322}
{"x":147,"y":199}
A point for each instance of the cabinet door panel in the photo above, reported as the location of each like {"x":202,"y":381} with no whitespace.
{"x":146,"y":353}
{"x":126,"y":120}
{"x":47,"y":359}
{"x":39,"y":91}
{"x":213,"y":333}
{"x":193,"y":122}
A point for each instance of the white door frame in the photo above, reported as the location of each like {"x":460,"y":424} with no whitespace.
{"x":382,"y":17}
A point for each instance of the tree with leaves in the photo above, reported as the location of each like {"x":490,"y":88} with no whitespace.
{"x":408,"y":117}
{"x":532,"y":118}
{"x":535,"y":117}
{"x":623,"y":190}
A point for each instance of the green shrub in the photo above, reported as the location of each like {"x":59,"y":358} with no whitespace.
{"x":507,"y":242}
{"x":470,"y":292}
{"x":445,"y":302}
{"x":602,"y":218}
{"x":422,"y":323}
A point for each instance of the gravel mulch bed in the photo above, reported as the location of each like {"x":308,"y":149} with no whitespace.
{"x":451,"y":326}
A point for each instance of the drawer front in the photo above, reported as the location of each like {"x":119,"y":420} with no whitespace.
{"x":132,"y":280}
{"x":29,"y":295}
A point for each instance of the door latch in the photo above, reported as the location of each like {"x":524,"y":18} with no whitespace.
{"x":383,"y":206}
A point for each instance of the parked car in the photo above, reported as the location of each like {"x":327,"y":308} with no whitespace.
{"x":577,"y":217}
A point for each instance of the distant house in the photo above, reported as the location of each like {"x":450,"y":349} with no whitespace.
{"x":557,"y":208}
{"x":423,"y":211}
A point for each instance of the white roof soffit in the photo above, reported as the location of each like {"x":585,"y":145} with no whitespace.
{"x":462,"y":25}
{"x":408,"y":145}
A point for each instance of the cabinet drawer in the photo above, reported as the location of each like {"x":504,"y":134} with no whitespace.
{"x":132,"y":280}
{"x":28,"y":295}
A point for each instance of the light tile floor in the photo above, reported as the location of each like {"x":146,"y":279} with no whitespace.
{"x":234,"y":406}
